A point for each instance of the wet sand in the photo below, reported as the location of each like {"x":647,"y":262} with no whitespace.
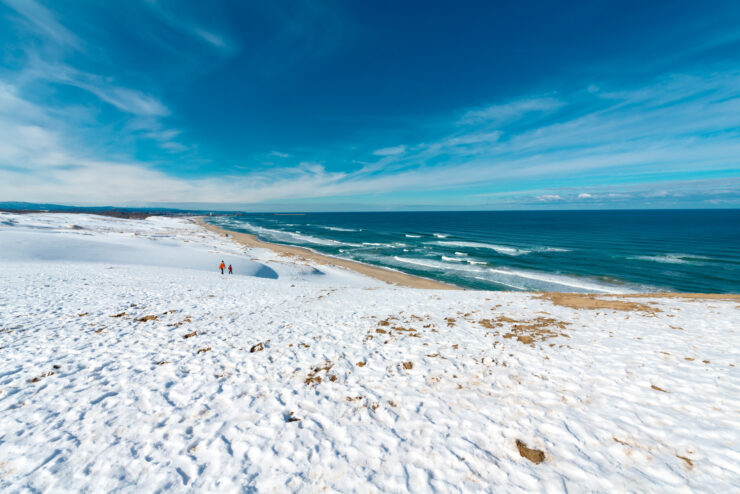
{"x":299,"y":253}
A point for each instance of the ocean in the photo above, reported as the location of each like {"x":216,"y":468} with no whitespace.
{"x":581,"y":251}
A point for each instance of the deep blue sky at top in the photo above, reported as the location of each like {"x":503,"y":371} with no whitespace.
{"x":333,"y":104}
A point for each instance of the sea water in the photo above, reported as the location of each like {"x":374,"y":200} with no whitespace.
{"x":583,"y":251}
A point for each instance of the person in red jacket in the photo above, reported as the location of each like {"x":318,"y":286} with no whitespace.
{"x":222,"y":266}
{"x":230,"y":271}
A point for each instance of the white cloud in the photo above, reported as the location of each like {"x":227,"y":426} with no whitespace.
{"x":390,"y":151}
{"x":549,"y":197}
{"x":511,"y":111}
{"x":585,"y":195}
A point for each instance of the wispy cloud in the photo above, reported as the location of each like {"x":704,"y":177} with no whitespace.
{"x":125,"y":99}
{"x":616,"y":144}
{"x":499,"y":113}
{"x":43,"y":21}
{"x":47,"y":45}
{"x":219,"y":41}
{"x":390,"y":151}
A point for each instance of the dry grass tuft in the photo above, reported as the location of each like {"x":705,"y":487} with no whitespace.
{"x":528,"y":332}
{"x":533,"y":455}
{"x":313,"y":376}
{"x":38,"y":378}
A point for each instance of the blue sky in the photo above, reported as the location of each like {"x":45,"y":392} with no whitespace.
{"x":343,"y":105}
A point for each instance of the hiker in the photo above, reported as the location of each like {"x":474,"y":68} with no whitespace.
{"x":222,"y":266}
{"x":230,"y":271}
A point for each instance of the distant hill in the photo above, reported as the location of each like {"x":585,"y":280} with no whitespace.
{"x":31,"y":207}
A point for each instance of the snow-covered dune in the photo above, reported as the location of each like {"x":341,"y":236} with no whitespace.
{"x":86,"y":238}
{"x":119,"y":369}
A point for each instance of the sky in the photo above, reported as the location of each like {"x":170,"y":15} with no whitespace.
{"x":353,"y":105}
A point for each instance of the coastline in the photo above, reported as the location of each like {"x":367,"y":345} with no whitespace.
{"x":570,"y":299}
{"x":378,"y":273}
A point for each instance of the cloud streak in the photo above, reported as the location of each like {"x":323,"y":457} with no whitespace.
{"x":615,"y":143}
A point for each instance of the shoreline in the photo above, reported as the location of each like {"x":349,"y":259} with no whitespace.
{"x":570,"y":299}
{"x":386,"y":275}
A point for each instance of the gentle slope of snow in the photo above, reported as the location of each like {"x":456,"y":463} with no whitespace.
{"x":640,"y":400}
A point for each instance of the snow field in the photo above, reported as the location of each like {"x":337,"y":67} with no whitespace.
{"x":394,"y":389}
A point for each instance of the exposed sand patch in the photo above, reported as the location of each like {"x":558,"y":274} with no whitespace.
{"x":307,"y":256}
{"x":726,"y":297}
{"x":591,"y":301}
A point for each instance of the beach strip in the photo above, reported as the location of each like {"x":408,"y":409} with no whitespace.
{"x":300,"y":253}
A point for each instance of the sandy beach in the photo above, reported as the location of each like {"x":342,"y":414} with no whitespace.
{"x":301,"y":254}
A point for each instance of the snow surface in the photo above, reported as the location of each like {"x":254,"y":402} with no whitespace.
{"x":93,"y":402}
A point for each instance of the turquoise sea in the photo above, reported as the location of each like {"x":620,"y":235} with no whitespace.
{"x":591,"y":251}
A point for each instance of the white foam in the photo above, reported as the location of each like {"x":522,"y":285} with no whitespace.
{"x":429,"y":263}
{"x":412,"y":236}
{"x":441,"y":235}
{"x":283,"y":236}
{"x":551,"y":249}
{"x":441,"y":266}
{"x":560,"y":280}
{"x":673,"y":259}
{"x":501,"y":249}
{"x":337,"y":229}
{"x":515,"y":287}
